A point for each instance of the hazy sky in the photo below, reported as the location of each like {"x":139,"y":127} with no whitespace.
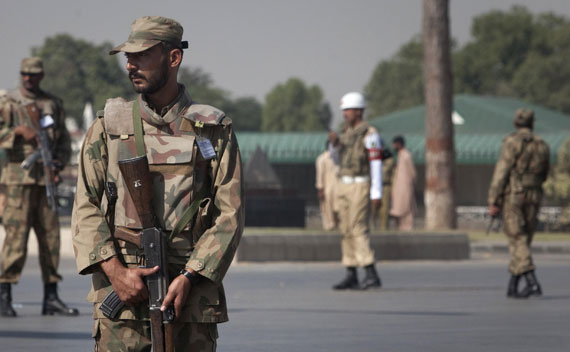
{"x":248,"y":46}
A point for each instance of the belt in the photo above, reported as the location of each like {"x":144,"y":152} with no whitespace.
{"x":347,"y":180}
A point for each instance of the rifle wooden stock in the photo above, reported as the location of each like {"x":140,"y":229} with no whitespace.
{"x":136,"y":174}
{"x":157,"y":334}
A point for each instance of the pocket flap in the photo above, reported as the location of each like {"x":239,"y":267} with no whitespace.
{"x":164,"y":149}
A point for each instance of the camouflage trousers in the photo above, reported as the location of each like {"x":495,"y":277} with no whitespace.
{"x":520,"y":220}
{"x":354,"y":211}
{"x":27,"y":208}
{"x":384,"y":211}
{"x":134,"y":335}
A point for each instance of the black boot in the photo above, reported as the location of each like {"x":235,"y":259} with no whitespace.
{"x":513,"y":289}
{"x":371,"y":280}
{"x":350,"y":281}
{"x":532,"y":286}
{"x":53,"y":305}
{"x":6,"y":309}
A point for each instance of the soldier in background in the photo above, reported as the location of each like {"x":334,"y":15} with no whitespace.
{"x":325,"y":181}
{"x":388,"y":167}
{"x":194,"y":159}
{"x":26,"y":201}
{"x":516,"y":190}
{"x":360,"y":185}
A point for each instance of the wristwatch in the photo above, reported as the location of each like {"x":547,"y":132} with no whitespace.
{"x":194,"y":278}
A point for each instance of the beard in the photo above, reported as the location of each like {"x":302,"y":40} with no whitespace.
{"x":155,"y":82}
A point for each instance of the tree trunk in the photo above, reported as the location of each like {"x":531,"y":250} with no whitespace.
{"x":440,"y":152}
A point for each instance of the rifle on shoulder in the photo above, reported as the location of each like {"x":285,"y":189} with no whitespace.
{"x":44,"y":153}
{"x":151,"y":240}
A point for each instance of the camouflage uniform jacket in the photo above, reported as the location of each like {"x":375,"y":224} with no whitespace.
{"x":353,"y":153}
{"x":12,"y":114}
{"x":388,"y":168}
{"x":522,"y":167}
{"x":170,"y":141}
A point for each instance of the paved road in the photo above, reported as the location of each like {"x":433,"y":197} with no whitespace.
{"x":424,"y":306}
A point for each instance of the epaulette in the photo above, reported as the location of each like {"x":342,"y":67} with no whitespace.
{"x":201,"y":115}
{"x":115,"y":111}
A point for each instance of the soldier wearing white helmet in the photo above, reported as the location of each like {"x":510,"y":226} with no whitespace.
{"x":360,"y":155}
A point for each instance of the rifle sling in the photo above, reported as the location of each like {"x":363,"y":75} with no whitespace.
{"x":138,"y":127}
{"x":195,"y":204}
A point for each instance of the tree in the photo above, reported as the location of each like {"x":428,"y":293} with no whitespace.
{"x":80,"y":72}
{"x":512,"y":53}
{"x":397,"y":83}
{"x":245,"y":112}
{"x":292,"y":106}
{"x":440,"y":152}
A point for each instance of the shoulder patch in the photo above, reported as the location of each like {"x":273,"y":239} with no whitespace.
{"x":205,"y":114}
{"x":118,"y":116}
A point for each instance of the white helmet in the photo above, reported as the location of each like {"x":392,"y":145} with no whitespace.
{"x":352,"y":100}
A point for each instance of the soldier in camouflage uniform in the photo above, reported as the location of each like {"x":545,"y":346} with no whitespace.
{"x":360,"y":184}
{"x":388,"y":167}
{"x":26,"y":201}
{"x":516,"y":187}
{"x":176,"y":134}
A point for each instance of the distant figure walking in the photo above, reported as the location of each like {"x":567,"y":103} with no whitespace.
{"x":326,"y":172}
{"x":516,"y":191}
{"x":403,"y":200}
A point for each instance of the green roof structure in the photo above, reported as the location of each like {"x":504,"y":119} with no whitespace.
{"x":480,"y":124}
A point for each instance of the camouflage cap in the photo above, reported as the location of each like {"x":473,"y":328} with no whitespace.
{"x":524,"y":117}
{"x":32,"y":65}
{"x":148,"y":31}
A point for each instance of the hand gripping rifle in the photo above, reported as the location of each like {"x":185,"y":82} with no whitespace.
{"x":496,"y":218}
{"x":151,"y":240}
{"x":44,"y":153}
{"x":491,"y":227}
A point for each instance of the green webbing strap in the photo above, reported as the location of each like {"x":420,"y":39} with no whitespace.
{"x":185,"y":219}
{"x":138,"y":127}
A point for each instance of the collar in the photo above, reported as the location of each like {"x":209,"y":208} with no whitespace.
{"x":29,"y":94}
{"x":169,"y":113}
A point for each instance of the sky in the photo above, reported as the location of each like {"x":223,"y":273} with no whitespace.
{"x":249,"y":46}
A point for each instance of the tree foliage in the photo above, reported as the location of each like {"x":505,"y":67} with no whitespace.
{"x":245,"y":112}
{"x":79,"y":72}
{"x":512,"y":53}
{"x":293,"y":106}
{"x":397,"y":83}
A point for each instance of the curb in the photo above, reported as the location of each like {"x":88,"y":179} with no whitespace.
{"x":327,"y":247}
{"x":562,"y":248}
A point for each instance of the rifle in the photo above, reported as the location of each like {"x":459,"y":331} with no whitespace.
{"x":151,"y":240}
{"x":497,"y":217}
{"x":44,"y":153}
{"x":492,"y":222}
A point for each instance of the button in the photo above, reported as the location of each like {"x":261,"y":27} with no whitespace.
{"x":92,"y":256}
{"x":103,"y":251}
{"x":199,"y":265}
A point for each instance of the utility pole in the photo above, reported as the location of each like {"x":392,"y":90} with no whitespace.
{"x":439,"y":195}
